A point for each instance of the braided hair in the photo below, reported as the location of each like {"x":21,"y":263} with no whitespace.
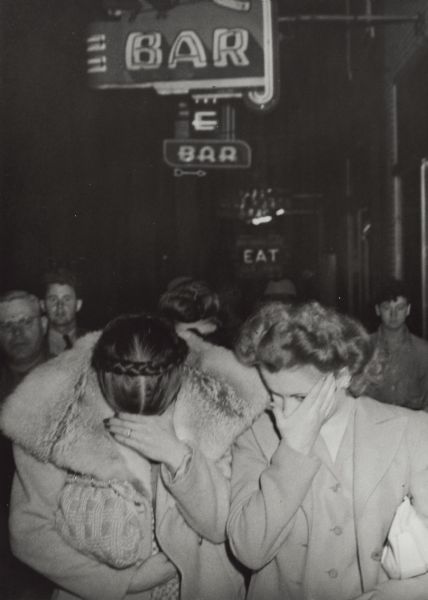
{"x":138,"y":360}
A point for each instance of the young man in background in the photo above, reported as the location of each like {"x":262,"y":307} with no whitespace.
{"x":403,"y":355}
{"x":61,"y":303}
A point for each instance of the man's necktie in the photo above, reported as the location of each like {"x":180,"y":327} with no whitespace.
{"x":67,"y":341}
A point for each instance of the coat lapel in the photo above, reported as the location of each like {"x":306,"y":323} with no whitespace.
{"x":378,"y":434}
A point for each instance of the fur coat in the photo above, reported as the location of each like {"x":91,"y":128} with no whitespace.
{"x":55,"y":418}
{"x":56,"y":413}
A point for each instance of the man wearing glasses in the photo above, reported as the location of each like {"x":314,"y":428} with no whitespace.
{"x":22,"y":347}
{"x":22,"y":338}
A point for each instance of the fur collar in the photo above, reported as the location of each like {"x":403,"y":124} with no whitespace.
{"x":223,"y":365}
{"x":56,"y":414}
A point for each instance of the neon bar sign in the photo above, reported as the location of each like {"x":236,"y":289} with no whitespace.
{"x":218,"y":47}
{"x":207,"y":153}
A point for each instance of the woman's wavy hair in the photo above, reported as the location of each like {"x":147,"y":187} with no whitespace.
{"x":189,"y":301}
{"x":138,"y":360}
{"x":280,"y":336}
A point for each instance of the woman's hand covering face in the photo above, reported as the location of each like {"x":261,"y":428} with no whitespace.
{"x":153,"y":437}
{"x":300,"y":424}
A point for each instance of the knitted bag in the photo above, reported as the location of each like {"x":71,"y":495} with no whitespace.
{"x":108,"y":520}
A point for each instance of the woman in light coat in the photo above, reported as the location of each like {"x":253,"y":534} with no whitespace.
{"x":316,"y":482}
{"x":128,"y":506}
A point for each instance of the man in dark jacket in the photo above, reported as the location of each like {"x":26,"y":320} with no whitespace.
{"x":22,"y":348}
{"x":22,"y":338}
{"x":61,"y":303}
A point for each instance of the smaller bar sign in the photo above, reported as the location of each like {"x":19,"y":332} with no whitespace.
{"x":207,"y":154}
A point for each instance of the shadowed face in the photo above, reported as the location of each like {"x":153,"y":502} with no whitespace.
{"x":21,"y":330}
{"x":393,"y":313}
{"x":61,"y":305}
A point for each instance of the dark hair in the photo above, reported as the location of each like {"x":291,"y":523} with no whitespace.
{"x":391,"y":290}
{"x":281,"y":336}
{"x":63,"y":276}
{"x":189,"y":301}
{"x":138,"y":361}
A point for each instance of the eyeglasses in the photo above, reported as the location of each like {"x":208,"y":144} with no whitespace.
{"x":10,"y":326}
{"x":272,"y":393}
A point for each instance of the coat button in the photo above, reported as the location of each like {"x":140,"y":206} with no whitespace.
{"x":337,"y":530}
{"x":332,"y":573}
{"x":376,"y":555}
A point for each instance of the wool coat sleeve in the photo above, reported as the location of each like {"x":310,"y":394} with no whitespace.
{"x":414,"y":588}
{"x":34,"y":539}
{"x":266,"y":495}
{"x":202,"y":493}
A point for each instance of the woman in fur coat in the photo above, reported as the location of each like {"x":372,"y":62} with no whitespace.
{"x":122,"y":483}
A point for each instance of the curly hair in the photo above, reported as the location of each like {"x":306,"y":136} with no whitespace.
{"x":138,"y":360}
{"x":281,"y":336}
{"x":189,"y":301}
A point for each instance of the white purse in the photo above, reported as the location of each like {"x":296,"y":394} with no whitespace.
{"x":405,"y":553}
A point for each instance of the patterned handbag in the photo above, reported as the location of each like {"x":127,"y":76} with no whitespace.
{"x":108,"y":520}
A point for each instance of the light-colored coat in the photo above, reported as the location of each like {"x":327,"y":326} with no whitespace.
{"x":55,"y":421}
{"x":270,"y":481}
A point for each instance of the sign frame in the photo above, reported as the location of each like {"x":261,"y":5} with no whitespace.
{"x":260,"y":91}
